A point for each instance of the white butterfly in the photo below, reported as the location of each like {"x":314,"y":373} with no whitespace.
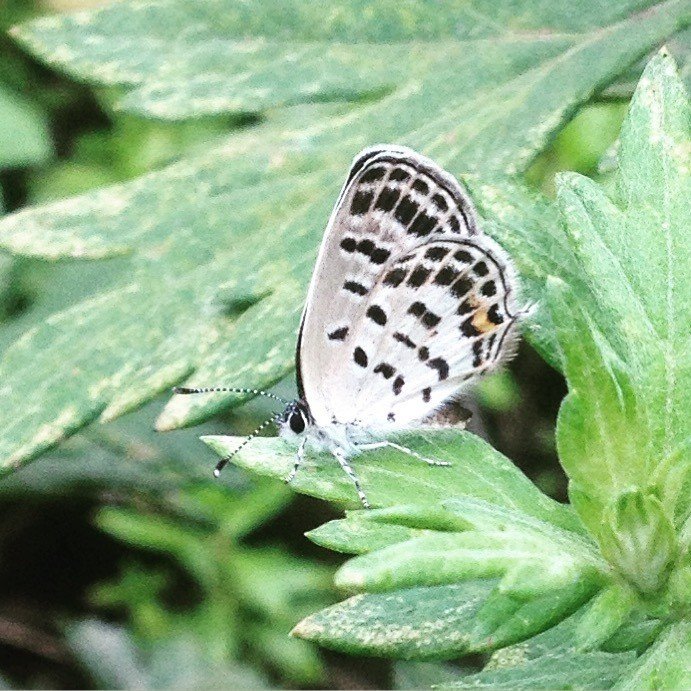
{"x":409,"y":302}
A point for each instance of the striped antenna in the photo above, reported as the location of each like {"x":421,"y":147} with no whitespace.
{"x":222,"y":389}
{"x":224,"y":461}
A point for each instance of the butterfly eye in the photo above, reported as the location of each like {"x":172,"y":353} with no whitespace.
{"x":296,"y":422}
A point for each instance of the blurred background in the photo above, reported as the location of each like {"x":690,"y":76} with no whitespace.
{"x":122,"y":562}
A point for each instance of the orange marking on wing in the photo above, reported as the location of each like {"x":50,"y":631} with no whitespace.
{"x":481,"y":322}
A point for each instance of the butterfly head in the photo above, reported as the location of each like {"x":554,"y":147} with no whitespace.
{"x":295,"y":419}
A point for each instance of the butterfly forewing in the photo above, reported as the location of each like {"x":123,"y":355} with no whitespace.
{"x":408,"y":299}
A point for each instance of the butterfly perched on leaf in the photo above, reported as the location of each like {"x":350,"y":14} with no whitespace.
{"x":408,"y":304}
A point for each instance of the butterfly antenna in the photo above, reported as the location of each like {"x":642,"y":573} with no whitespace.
{"x":224,"y":461}
{"x":222,"y":389}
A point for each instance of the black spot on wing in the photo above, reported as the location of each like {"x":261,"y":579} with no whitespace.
{"x":426,"y":394}
{"x":419,"y":275}
{"x":405,"y":211}
{"x":441,"y":365}
{"x":373,"y":174}
{"x":423,"y":225}
{"x":446,"y":276}
{"x":454,"y":224}
{"x":387,"y":199}
{"x":481,"y":269}
{"x":468,"y":328}
{"x":436,"y":253}
{"x":463,"y":256}
{"x":477,"y":353}
{"x":365,"y":247}
{"x":395,"y":277}
{"x":423,"y":353}
{"x":430,"y":320}
{"x":355,"y":287}
{"x":465,"y":308}
{"x":338,"y":334}
{"x":377,"y":314}
{"x":493,"y":315}
{"x":440,"y":202}
{"x":348,"y":244}
{"x":417,"y":309}
{"x":360,"y":357}
{"x":420,"y":186}
{"x":379,"y":255}
{"x":402,"y":338}
{"x":399,"y":175}
{"x":461,"y":287}
{"x":398,"y":383}
{"x":361,"y":203}
{"x":489,"y":289}
{"x":385,"y":369}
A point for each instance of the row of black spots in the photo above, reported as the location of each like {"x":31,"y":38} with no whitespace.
{"x":405,"y":340}
{"x":355,"y":288}
{"x":376,"y":314}
{"x":427,"y":317}
{"x":338,"y":334}
{"x":360,"y":357}
{"x":376,"y":254}
{"x":385,"y":369}
{"x":441,"y":366}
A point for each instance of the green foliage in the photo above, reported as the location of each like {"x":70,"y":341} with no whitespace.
{"x":626,"y":360}
{"x":197,"y":229}
{"x":192,"y":257}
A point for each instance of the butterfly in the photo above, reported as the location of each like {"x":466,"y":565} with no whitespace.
{"x":408,"y":304}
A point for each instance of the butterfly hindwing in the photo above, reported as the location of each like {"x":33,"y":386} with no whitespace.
{"x":408,"y":298}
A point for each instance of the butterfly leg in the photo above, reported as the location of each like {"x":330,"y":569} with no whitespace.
{"x":402,"y":449}
{"x":343,"y":461}
{"x":299,"y":458}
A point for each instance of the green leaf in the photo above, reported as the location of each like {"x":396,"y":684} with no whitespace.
{"x":534,"y":556}
{"x":390,"y":478}
{"x":418,"y":623}
{"x":606,"y":614}
{"x":175,"y":59}
{"x":639,"y":540}
{"x":626,"y":350}
{"x":198,"y":229}
{"x":665,"y":665}
{"x":24,"y":136}
{"x":549,"y":661}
